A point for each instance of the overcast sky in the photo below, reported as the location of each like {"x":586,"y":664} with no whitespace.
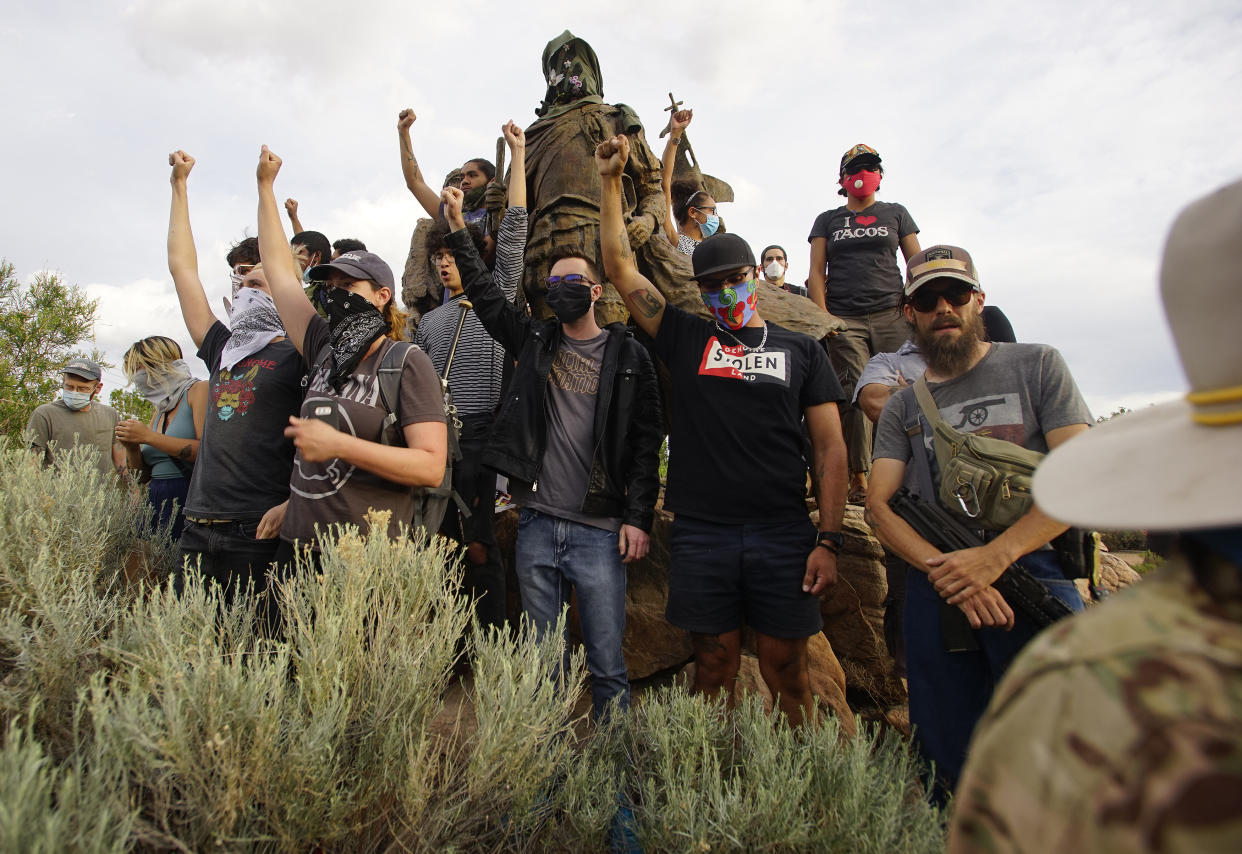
{"x":1055,"y":141}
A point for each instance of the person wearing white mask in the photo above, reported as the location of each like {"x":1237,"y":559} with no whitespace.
{"x":77,"y":419}
{"x":165,"y":450}
{"x":775,"y":263}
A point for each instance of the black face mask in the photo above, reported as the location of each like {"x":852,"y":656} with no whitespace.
{"x":569,"y":301}
{"x":355,"y":324}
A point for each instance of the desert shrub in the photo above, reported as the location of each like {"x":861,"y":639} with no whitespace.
{"x":65,"y":534}
{"x":705,"y":779}
{"x":134,"y":718}
{"x":1124,"y":541}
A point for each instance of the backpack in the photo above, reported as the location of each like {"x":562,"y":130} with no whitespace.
{"x":430,"y":502}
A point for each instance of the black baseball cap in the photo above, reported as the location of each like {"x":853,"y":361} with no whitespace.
{"x":721,"y":253}
{"x":359,"y":265}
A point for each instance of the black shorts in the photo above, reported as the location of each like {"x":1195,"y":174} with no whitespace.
{"x":724,"y":574}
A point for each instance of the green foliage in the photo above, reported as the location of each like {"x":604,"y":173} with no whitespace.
{"x":133,"y":718}
{"x":1124,"y":541}
{"x":1150,"y":562}
{"x":131,"y":404}
{"x":40,"y":328}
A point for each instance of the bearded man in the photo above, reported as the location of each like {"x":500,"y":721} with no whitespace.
{"x":1022,"y":393}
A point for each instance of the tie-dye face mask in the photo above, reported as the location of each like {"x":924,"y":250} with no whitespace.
{"x":733,"y":306}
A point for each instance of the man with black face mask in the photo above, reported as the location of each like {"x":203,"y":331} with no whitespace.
{"x":578,"y":435}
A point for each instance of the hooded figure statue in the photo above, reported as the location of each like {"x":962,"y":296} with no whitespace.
{"x":563,"y":193}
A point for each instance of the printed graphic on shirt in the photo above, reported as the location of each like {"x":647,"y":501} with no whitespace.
{"x":863,"y":227}
{"x":997,"y":415}
{"x":324,"y":479}
{"x":232,"y":392}
{"x":571,"y":372}
{"x":737,"y":363}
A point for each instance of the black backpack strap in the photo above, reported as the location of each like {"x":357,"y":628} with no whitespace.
{"x":389,"y":378}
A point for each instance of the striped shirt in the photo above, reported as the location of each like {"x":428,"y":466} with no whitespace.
{"x":478,"y":367}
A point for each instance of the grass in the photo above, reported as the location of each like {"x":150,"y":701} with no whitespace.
{"x":135,"y":719}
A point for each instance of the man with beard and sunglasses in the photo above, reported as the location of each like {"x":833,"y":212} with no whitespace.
{"x":1022,"y":393}
{"x":578,"y":434}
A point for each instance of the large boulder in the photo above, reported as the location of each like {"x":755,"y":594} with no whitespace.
{"x":853,"y":611}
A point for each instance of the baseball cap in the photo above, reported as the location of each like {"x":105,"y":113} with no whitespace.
{"x":84,"y":368}
{"x":359,"y":265}
{"x":721,"y":253}
{"x":857,"y":152}
{"x":940,"y":262}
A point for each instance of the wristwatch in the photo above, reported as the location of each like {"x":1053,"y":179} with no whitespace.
{"x":831,"y":540}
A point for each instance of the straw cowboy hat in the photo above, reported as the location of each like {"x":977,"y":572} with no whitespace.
{"x":1177,"y":466}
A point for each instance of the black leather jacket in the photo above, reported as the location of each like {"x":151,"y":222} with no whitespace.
{"x":624,"y":477}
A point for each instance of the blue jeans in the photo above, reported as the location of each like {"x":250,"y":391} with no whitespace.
{"x":551,"y":555}
{"x":949,"y":691}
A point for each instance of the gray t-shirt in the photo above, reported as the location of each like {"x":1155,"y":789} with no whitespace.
{"x":569,"y":412}
{"x":862,"y":256}
{"x":1017,"y":392}
{"x":56,"y":424}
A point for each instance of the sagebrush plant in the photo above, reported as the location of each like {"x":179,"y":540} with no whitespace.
{"x":134,"y":718}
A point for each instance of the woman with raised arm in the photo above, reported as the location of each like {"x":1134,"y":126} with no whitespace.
{"x":693,"y":208}
{"x":343,"y":468}
{"x":165,"y":450}
{"x":237,"y":498}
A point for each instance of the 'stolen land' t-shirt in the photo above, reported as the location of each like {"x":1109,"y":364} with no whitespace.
{"x":735,"y":444}
{"x":862,"y":256}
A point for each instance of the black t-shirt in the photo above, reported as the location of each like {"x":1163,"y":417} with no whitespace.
{"x":862,"y":256}
{"x":244,"y":459}
{"x":735,"y":446}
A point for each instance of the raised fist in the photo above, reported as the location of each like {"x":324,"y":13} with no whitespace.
{"x":181,"y":163}
{"x":611,"y":154}
{"x":269,"y":165}
{"x":291,"y":208}
{"x":405,"y":119}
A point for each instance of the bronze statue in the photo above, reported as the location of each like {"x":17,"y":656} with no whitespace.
{"x":563,"y":192}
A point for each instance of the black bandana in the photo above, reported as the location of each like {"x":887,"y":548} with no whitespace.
{"x":355,"y":324}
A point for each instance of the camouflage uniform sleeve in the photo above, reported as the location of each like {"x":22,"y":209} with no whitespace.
{"x":1119,"y":730}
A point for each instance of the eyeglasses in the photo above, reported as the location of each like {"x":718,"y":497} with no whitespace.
{"x":731,"y":281}
{"x":925,"y":299}
{"x":708,"y":210}
{"x":571,"y":279}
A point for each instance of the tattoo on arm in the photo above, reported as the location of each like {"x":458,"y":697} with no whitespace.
{"x":409,"y":153}
{"x":184,"y":453}
{"x":642,"y":302}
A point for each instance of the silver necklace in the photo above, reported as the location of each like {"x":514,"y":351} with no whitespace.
{"x":762,"y":341}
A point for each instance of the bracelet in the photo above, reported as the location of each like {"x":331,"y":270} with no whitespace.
{"x":834,"y":537}
{"x":672,"y":138}
{"x":830,"y":546}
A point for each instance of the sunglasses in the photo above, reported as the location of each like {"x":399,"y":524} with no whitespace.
{"x":571,"y":279}
{"x":926,"y":300}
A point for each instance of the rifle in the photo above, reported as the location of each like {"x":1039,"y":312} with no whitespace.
{"x":1020,"y":589}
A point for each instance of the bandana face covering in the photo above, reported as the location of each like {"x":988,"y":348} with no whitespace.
{"x":732,"y":306}
{"x":254,"y":324}
{"x":355,"y":324}
{"x":165,"y":393}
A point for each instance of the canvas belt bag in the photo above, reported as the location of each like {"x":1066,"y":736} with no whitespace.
{"x":987,"y":479}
